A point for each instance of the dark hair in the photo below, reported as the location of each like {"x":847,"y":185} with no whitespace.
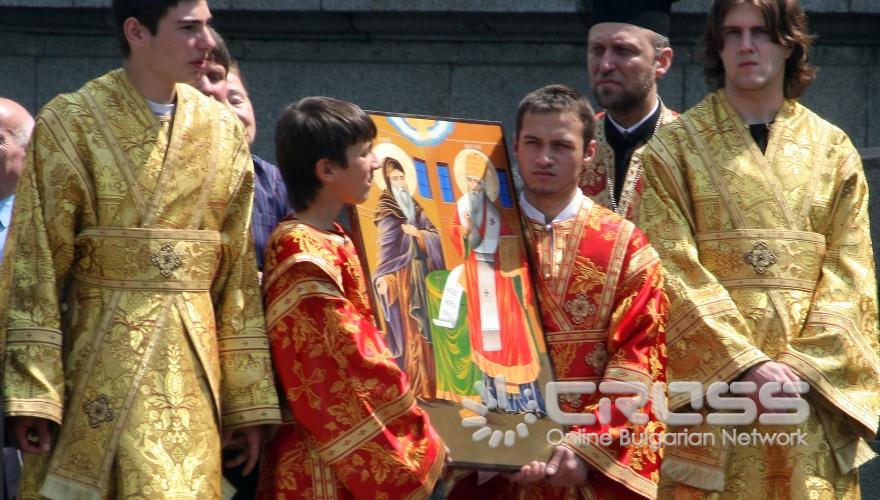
{"x":220,"y":53}
{"x":147,"y":12}
{"x":558,"y":98}
{"x":312,"y":129}
{"x":787,"y":24}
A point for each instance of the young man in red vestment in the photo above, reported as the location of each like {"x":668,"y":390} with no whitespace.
{"x":603,"y":308}
{"x":358,"y":432}
{"x":601,"y":291}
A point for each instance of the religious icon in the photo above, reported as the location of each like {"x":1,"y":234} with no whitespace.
{"x":442,"y":242}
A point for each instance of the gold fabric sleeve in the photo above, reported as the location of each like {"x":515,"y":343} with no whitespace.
{"x":837,"y":349}
{"x":247,"y":388}
{"x":39,"y":255}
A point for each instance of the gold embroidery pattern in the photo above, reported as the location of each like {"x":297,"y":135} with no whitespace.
{"x":172,"y":426}
{"x":572,"y":400}
{"x":167,"y":260}
{"x":598,"y":358}
{"x":760,"y":257}
{"x":580,"y":307}
{"x":98,"y":410}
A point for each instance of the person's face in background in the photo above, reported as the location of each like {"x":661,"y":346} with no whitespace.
{"x":212,"y":81}
{"x":237,"y":97}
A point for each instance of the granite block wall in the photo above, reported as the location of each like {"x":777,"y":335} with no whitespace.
{"x":463,"y":58}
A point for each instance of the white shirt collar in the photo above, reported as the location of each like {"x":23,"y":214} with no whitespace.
{"x":568,"y":212}
{"x":641,"y":122}
{"x":161,"y":109}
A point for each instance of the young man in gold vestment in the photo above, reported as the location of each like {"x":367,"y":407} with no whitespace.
{"x":134,"y":333}
{"x":759,"y":210}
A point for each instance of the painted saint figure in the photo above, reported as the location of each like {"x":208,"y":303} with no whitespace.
{"x":495,"y":286}
{"x":409,"y":248}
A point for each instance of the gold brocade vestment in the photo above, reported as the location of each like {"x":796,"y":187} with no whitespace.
{"x":133,"y":317}
{"x":768,"y":257}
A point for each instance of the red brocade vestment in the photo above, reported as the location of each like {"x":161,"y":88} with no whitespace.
{"x":600,"y":287}
{"x":357,"y":432}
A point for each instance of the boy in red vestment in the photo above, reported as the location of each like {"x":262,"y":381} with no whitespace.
{"x":358,"y":432}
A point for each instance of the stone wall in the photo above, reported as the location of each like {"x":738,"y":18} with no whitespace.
{"x":463,"y":58}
